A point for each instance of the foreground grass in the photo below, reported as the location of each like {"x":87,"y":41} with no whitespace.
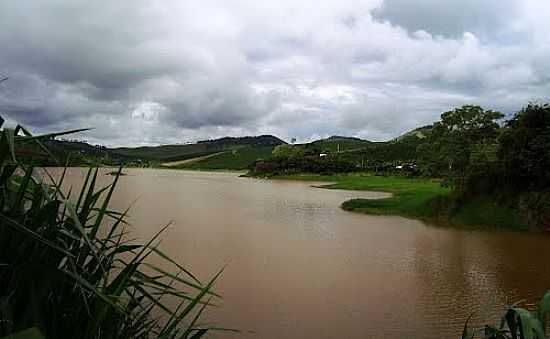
{"x":418,"y":198}
{"x":70,"y":269}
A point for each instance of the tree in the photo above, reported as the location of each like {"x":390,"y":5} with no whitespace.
{"x":525,"y":149}
{"x":463,"y":142}
{"x":288,"y":152}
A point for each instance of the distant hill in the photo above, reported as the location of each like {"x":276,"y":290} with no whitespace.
{"x":81,"y":153}
{"x":261,"y":140}
{"x":166,"y":153}
{"x":238,"y":153}
{"x":336,"y":143}
{"x":416,"y":135}
{"x":243,"y":151}
{"x":368,"y":153}
{"x":236,"y":159}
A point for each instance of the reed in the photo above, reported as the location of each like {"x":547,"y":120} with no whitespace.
{"x":68,"y":270}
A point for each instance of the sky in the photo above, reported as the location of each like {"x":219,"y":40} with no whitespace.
{"x":159,"y":72}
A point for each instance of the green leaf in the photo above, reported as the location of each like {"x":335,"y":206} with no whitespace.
{"x":167,"y":258}
{"x":466,"y":333}
{"x":31,"y":333}
{"x":8,"y":132}
{"x":199,"y":334}
{"x":544,"y":308}
{"x":529,"y":326}
{"x":17,"y":226}
{"x":51,"y":135}
{"x":126,"y":248}
{"x":196,"y":301}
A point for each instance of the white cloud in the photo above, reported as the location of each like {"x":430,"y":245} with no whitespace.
{"x":174,"y":71}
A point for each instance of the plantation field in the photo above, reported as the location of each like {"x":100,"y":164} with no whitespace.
{"x":179,"y":163}
{"x":237,"y":159}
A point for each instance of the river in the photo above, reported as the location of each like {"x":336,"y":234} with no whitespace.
{"x":301,"y":267}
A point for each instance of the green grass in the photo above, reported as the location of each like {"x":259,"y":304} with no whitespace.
{"x":410,"y":197}
{"x":238,"y":159}
{"x":419,"y":198}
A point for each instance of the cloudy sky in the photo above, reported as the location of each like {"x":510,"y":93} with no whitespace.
{"x":152,"y":72}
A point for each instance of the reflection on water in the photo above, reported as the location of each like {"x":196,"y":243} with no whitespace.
{"x":300,"y":267}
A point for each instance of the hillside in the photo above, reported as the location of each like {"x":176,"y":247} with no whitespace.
{"x":236,"y":159}
{"x":360,"y":151}
{"x":337,"y":143}
{"x":241,"y":151}
{"x":237,"y":153}
{"x":81,"y":153}
{"x":339,"y":154}
{"x":168,"y":153}
{"x":400,"y":149}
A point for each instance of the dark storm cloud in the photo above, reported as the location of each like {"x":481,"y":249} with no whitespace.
{"x":450,"y":18}
{"x":145,"y":72}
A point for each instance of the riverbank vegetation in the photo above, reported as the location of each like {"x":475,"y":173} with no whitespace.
{"x":495,"y":172}
{"x":68,"y":266}
{"x":415,"y":197}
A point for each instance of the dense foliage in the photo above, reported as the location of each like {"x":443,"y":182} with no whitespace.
{"x":287,"y":159}
{"x":478,"y":155}
{"x":525,"y":149}
{"x":338,"y":154}
{"x":461,"y":144}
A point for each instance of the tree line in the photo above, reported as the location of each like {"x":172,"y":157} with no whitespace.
{"x":473,"y":150}
{"x":476,"y":152}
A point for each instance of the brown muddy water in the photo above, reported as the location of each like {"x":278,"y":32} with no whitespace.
{"x":300,"y":267}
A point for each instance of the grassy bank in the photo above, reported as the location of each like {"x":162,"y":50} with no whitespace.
{"x":418,"y":198}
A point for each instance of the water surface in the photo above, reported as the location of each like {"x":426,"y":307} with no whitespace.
{"x":300,"y":267}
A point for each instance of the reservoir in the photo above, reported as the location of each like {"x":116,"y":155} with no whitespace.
{"x":298,"y":266}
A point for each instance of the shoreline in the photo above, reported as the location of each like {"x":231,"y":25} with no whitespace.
{"x":416,"y":198}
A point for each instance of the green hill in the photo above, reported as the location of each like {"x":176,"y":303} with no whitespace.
{"x":224,"y":153}
{"x":398,"y":150}
{"x":236,"y":159}
{"x":344,"y":154}
{"x":359,"y":151}
{"x":237,"y":153}
{"x":337,"y":143}
{"x":167,"y":153}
